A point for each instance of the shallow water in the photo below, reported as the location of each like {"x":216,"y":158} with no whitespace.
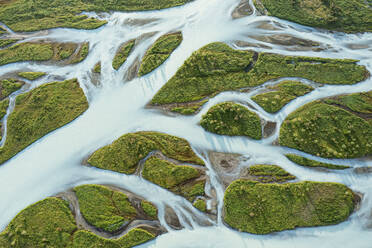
{"x":117,"y":106}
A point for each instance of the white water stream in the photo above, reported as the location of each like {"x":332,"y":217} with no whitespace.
{"x":53,"y":164}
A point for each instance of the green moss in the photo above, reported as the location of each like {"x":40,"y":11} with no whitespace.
{"x":342,"y":15}
{"x":6,"y":42}
{"x":159,"y":52}
{"x":167,"y":174}
{"x":173,"y":177}
{"x":41,"y":111}
{"x":104,"y":208}
{"x":189,"y":109}
{"x":270,"y":173}
{"x":8,"y":86}
{"x":122,"y":54}
{"x":283,"y":93}
{"x":232,"y":119}
{"x":97,"y":68}
{"x":63,"y":50}
{"x":3,"y":108}
{"x":124,"y":154}
{"x":200,"y":204}
{"x":217,"y":67}
{"x":25,"y":15}
{"x":31,"y":75}
{"x":48,"y":223}
{"x":312,"y":163}
{"x":327,"y":131}
{"x":264,"y":208}
{"x":149,"y":209}
{"x":81,"y":54}
{"x":85,"y":239}
{"x":358,"y":102}
{"x":26,"y":52}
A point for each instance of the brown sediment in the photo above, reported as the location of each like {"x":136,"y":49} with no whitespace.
{"x":243,"y":9}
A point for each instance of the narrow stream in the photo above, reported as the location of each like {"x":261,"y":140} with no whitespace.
{"x":117,"y":106}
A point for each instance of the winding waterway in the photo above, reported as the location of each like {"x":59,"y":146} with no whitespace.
{"x":118,"y":106}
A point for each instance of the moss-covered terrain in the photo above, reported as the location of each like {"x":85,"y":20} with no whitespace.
{"x":124,"y":154}
{"x":340,"y":15}
{"x":232,"y":119}
{"x":24,"y":15}
{"x":281,"y":94}
{"x":264,"y":208}
{"x":180,"y":179}
{"x":7,"y":42}
{"x":82,"y":53}
{"x":122,"y":54}
{"x":41,"y":111}
{"x":50,"y":223}
{"x":8,"y":86}
{"x":269,"y":174}
{"x":85,"y":239}
{"x":104,"y":208}
{"x":30,"y":75}
{"x":218,"y":67}
{"x":43,"y":52}
{"x":312,"y":163}
{"x":329,"y":128}
{"x":201,"y":205}
{"x":149,"y":209}
{"x":159,"y":52}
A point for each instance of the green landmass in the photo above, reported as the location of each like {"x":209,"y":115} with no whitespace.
{"x":264,"y":208}
{"x":124,"y":154}
{"x":232,"y":119}
{"x":159,"y":52}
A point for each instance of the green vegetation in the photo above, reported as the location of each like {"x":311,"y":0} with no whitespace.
{"x":124,"y":154}
{"x":97,"y":68}
{"x":85,"y":239}
{"x":357,"y":102}
{"x":47,"y":223}
{"x":312,"y":163}
{"x":41,"y":111}
{"x":6,"y":42}
{"x":173,"y":177}
{"x":217,"y":67}
{"x":25,"y":15}
{"x":3,"y":108}
{"x":264,"y":208}
{"x":232,"y":119}
{"x":269,"y":173}
{"x":42,"y":52}
{"x":159,"y":52}
{"x":26,"y":52}
{"x":188,"y":109}
{"x":201,"y":205}
{"x":328,"y":131}
{"x":149,"y":209}
{"x":50,"y":223}
{"x":122,"y":54}
{"x":104,"y":208}
{"x":8,"y":86}
{"x":31,"y":75}
{"x":2,"y":31}
{"x":81,"y":54}
{"x":283,"y":93}
{"x":341,"y":15}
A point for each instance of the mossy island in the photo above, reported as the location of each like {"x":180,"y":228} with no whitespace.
{"x":232,"y":119}
{"x":261,"y":208}
{"x":40,"y":111}
{"x":340,"y":15}
{"x":217,"y":67}
{"x":337,"y":127}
